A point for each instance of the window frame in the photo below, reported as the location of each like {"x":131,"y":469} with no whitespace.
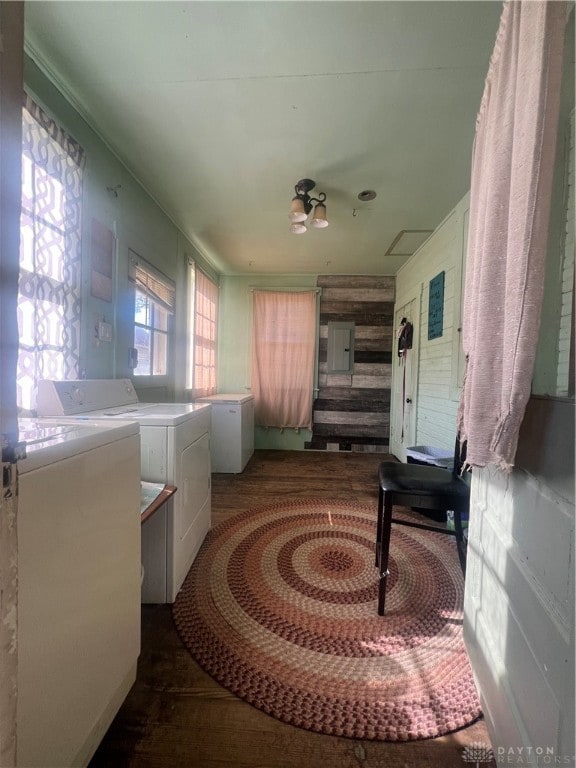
{"x":50,"y":270}
{"x":164,"y":297}
{"x":193,"y":390}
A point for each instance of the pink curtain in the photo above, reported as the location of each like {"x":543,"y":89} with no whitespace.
{"x":283,"y":348}
{"x":512,"y":169}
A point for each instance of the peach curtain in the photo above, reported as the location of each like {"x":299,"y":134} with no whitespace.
{"x":283,"y":349}
{"x":512,"y":169}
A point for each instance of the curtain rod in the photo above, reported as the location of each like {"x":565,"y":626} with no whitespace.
{"x":286,"y":289}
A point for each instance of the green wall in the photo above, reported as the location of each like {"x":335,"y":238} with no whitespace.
{"x":234,"y":345}
{"x":138,"y":223}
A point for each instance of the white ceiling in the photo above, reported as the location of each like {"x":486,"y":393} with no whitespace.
{"x":219,"y":108}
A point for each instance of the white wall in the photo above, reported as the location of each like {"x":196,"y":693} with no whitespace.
{"x":439,"y":362}
{"x":519,"y":600}
{"x":519,"y":597}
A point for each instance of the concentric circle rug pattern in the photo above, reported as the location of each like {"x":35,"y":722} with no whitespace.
{"x":280,"y":608}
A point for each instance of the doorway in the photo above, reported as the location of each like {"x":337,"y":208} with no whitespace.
{"x":405,"y":378}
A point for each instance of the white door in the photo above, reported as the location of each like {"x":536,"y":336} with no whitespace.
{"x":404,"y":380}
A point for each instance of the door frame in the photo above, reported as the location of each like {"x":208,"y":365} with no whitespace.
{"x":11,"y":90}
{"x":397,"y":444}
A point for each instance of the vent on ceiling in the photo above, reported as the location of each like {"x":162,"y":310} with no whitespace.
{"x":407,"y":241}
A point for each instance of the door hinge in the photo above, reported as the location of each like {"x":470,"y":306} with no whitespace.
{"x":7,"y":478}
{"x":12,"y":451}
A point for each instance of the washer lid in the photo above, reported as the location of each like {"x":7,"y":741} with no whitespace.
{"x":47,"y":443}
{"x":226,"y":398}
{"x":153,"y":414}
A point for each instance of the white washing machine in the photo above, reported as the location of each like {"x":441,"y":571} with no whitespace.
{"x":78,"y":586}
{"x":232,"y":431}
{"x":175,"y":449}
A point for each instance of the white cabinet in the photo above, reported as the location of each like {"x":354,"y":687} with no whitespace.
{"x":232,"y":440}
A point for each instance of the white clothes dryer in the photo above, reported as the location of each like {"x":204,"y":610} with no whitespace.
{"x":78,"y":586}
{"x":175,"y":449}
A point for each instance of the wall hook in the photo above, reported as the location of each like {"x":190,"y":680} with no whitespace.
{"x":114,"y":190}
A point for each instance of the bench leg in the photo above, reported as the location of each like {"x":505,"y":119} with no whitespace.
{"x":384,"y":552}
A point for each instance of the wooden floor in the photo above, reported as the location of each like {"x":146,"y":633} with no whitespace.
{"x":176,"y":716}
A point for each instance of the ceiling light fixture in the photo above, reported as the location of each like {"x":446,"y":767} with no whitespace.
{"x":302,"y":204}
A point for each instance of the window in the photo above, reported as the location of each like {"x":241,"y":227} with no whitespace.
{"x":50,"y":259}
{"x":203,"y":319}
{"x":154,"y":303}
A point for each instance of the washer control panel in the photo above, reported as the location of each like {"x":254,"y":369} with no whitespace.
{"x":72,"y":397}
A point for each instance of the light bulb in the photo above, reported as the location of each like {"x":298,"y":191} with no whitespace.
{"x":297,"y":212}
{"x":320,"y":221}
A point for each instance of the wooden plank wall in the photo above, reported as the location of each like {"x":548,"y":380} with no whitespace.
{"x":352,"y":412}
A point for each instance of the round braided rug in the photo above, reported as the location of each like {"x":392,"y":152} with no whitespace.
{"x":280,"y":608}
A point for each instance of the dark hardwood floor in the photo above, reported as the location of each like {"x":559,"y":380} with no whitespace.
{"x":176,"y":716}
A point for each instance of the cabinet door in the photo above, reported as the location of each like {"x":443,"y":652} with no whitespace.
{"x":340,"y":357}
